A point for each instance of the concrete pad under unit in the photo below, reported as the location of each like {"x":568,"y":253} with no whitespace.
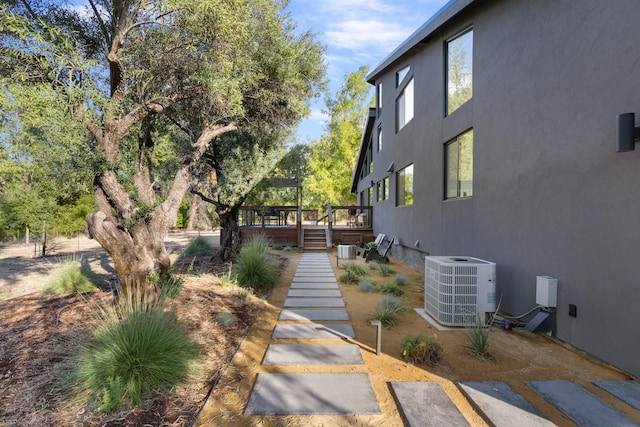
{"x":313,"y":354}
{"x":627,"y":391}
{"x":311,"y":315}
{"x":310,"y":285}
{"x":425,"y":404}
{"x":503,"y":405}
{"x":313,"y":302}
{"x":326,"y":293}
{"x":313,"y":331}
{"x":580,"y":405}
{"x":313,"y":394}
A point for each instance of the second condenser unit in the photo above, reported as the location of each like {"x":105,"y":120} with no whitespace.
{"x":459,"y":290}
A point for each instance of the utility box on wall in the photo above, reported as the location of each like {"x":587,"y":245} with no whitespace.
{"x":547,"y":291}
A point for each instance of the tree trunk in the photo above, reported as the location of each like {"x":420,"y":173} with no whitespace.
{"x":193,"y":211}
{"x":232,"y":240}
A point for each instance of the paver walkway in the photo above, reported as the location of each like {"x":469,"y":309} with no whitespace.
{"x":314,"y":310}
{"x":313,"y":296}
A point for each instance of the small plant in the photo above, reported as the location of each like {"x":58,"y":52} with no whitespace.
{"x":421,"y":349}
{"x":356,"y":269}
{"x":228,"y":279}
{"x":370,"y":245}
{"x":349,"y":277}
{"x":390,"y":289}
{"x":400,"y":280}
{"x":373,"y":265}
{"x":288,"y":249}
{"x":386,"y":270}
{"x":387,"y":310}
{"x":255,"y":267}
{"x":197,"y":247}
{"x":478,"y":333}
{"x":226,"y":319}
{"x":242,"y":294}
{"x":72,"y":277}
{"x":277,"y":246}
{"x":137,"y":347}
{"x":366,"y":286}
{"x":169,"y":285}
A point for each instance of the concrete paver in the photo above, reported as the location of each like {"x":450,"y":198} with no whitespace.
{"x":425,"y":404}
{"x":583,"y":407}
{"x":313,"y":331}
{"x":311,"y":315}
{"x":312,"y":285}
{"x":314,"y":293}
{"x":313,"y":393}
{"x":627,"y":391}
{"x":313,"y":354}
{"x":313,"y":302}
{"x":503,"y":405}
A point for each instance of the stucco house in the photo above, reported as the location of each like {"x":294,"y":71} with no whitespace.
{"x":494,"y":136}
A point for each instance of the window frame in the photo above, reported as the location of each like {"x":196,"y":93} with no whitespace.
{"x":405,"y":99}
{"x":401,"y":186}
{"x":458,"y":192}
{"x":447,"y":71}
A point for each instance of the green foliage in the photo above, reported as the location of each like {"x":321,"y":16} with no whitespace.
{"x":387,"y":310}
{"x":277,"y":246}
{"x":366,"y":286}
{"x":288,"y":249}
{"x":386,"y":270}
{"x":71,"y":277}
{"x":373,"y":265}
{"x":137,"y":347}
{"x":199,"y":246}
{"x":170,"y":284}
{"x":228,"y":279}
{"x":356,"y":269}
{"x":349,"y":277}
{"x":255,"y":268}
{"x":421,"y":349}
{"x":226,"y":319}
{"x":478,"y":332}
{"x":333,"y":157}
{"x":400,"y":280}
{"x":242,"y":295}
{"x":390,"y":289}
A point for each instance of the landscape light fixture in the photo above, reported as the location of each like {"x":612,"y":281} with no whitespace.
{"x":626,"y":132}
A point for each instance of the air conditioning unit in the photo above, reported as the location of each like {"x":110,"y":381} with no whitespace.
{"x":458,"y":289}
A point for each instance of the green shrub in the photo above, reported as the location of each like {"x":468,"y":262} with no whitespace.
{"x":168,"y":285}
{"x":277,"y":246}
{"x":356,"y":269}
{"x":390,"y":289}
{"x":400,"y":280}
{"x":288,"y":249}
{"x":387,"y":310}
{"x":478,"y":332}
{"x":226,"y":319}
{"x":366,"y":286}
{"x":421,"y":349}
{"x":228,"y":279}
{"x":242,"y":295}
{"x":72,"y":277}
{"x":386,"y":270}
{"x":349,"y":277}
{"x":137,"y":347}
{"x":197,"y":247}
{"x":255,"y":267}
{"x":373,"y":265}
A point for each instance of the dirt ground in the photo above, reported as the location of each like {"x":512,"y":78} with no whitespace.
{"x":36,"y":334}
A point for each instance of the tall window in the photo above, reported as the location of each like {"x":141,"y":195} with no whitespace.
{"x":385,"y":185}
{"x":379,"y":98}
{"x":379,"y":138}
{"x":459,"y":69}
{"x":459,"y":166}
{"x":404,"y":183}
{"x":404,"y":105}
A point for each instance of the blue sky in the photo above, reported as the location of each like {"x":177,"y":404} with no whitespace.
{"x":355,"y":33}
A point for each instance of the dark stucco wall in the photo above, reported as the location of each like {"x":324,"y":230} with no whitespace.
{"x":550,"y":194}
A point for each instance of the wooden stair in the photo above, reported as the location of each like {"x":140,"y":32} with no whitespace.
{"x":314,"y":239}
